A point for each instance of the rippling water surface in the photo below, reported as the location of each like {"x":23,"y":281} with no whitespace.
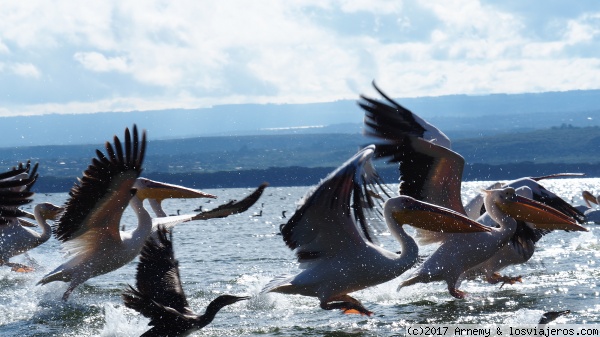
{"x":240,"y":254}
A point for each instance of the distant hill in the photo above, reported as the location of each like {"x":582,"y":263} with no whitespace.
{"x":295,"y":159}
{"x":460,"y":116}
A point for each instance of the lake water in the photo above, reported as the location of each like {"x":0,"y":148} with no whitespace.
{"x":240,"y":254}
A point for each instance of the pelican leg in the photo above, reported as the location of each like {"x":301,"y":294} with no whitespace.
{"x":453,"y":284}
{"x":496,"y":278}
{"x":347,"y":304}
{"x":72,"y":287}
{"x":17,"y":267}
{"x":456,"y":293}
{"x":31,"y":260}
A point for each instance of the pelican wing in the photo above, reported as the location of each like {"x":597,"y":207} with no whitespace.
{"x":222,"y":211}
{"x":524,"y":240}
{"x":157,"y":280}
{"x":20,"y":178}
{"x":14,"y":192}
{"x":102,"y":194}
{"x":558,"y":175}
{"x":331,"y":218}
{"x":429,"y":170}
{"x":232,"y":207}
{"x":386,"y":120}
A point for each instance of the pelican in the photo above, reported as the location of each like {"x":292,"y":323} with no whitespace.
{"x":431,"y":172}
{"x":521,"y":246}
{"x":89,"y":226}
{"x":15,"y":235}
{"x":460,"y":252}
{"x":334,"y":247}
{"x":159,"y":294}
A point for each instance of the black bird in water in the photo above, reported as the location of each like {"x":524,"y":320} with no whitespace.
{"x":160,"y":296}
{"x":552,"y":315}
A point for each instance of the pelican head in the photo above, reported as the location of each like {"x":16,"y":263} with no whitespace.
{"x":525,"y":209}
{"x":150,"y":189}
{"x":49,"y":211}
{"x":589,"y":198}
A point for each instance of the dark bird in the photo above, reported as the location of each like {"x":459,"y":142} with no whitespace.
{"x":160,"y":296}
{"x":552,"y":315}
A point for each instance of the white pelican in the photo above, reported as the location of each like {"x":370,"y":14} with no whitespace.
{"x":329,"y":235}
{"x":460,"y":252}
{"x":89,"y":226}
{"x":15,"y":236}
{"x":431,"y":172}
{"x":160,"y":296}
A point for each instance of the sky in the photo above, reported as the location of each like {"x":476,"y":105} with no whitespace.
{"x":95,"y":56}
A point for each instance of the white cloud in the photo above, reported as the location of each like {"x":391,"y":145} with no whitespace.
{"x":26,"y":70}
{"x":584,"y":29}
{"x":138,"y":54}
{"x":97,"y":62}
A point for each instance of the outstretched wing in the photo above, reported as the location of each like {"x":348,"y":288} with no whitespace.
{"x":233,"y":207}
{"x":101,"y":195}
{"x":331,"y":218}
{"x":222,"y":211}
{"x":157,"y":280}
{"x":14,"y":191}
{"x":429,"y":170}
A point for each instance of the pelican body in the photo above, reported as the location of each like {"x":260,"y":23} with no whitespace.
{"x":160,"y":296}
{"x":334,"y":245}
{"x":89,"y":226}
{"x":460,"y":252}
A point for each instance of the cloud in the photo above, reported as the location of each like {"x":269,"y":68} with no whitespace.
{"x":95,"y":61}
{"x":205,"y":52}
{"x":26,"y":70}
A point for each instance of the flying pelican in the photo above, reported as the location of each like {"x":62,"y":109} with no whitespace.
{"x":330,"y":236}
{"x":460,"y":252}
{"x":89,"y":226}
{"x":160,"y":296}
{"x":15,"y":236}
{"x":431,"y":172}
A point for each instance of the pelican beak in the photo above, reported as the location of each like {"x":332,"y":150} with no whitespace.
{"x":541,"y":215}
{"x":434,"y":218}
{"x":28,"y":215}
{"x":26,"y":223}
{"x":150,"y":189}
{"x":589,"y":198}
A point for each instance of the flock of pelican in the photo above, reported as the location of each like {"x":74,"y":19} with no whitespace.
{"x":333,"y":232}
